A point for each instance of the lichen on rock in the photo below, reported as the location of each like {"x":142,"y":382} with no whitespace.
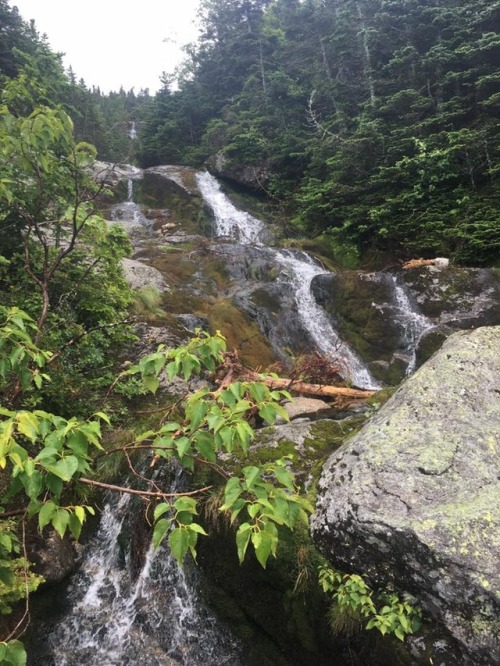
{"x":413,"y":498}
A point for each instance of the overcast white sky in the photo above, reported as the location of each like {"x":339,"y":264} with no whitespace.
{"x":113,"y":43}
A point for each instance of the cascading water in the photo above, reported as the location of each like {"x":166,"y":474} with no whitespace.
{"x":299,"y":271}
{"x":129,"y":213}
{"x":414,"y":323}
{"x":151,"y":619}
{"x":130,"y":190}
{"x":229,"y":221}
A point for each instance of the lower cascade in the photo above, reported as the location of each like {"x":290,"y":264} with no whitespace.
{"x":120,"y":616}
{"x":300,"y":269}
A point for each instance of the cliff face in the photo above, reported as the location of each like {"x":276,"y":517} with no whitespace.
{"x":413,"y":498}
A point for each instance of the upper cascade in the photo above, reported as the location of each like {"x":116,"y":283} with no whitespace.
{"x":229,"y":221}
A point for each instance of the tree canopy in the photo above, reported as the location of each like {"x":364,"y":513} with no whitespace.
{"x":377,"y":118}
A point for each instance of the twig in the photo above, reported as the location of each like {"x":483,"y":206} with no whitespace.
{"x":140,"y":493}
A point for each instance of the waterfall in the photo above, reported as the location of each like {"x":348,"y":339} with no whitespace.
{"x":153,"y":618}
{"x":130,"y":190}
{"x":299,"y":271}
{"x":132,"y":132}
{"x":229,"y":221}
{"x":414,"y":323}
{"x":128,"y":212}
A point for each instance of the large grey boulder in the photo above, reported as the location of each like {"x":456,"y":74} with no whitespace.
{"x":140,"y":275}
{"x":414,"y":497}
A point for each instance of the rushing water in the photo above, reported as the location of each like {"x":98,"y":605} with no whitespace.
{"x":414,"y":323}
{"x":229,"y":221}
{"x":299,"y":269}
{"x":120,"y":617}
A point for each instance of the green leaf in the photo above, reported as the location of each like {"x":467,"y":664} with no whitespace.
{"x":64,"y":468}
{"x":46,"y":513}
{"x":55,"y":484}
{"x":185,"y":504}
{"x":160,"y":509}
{"x":258,"y":391}
{"x":204,"y":444}
{"x":236,"y":508}
{"x":78,"y":443}
{"x":33,"y":484}
{"x":151,"y":383}
{"x":80,"y":514}
{"x":253,"y":510}
{"x":15,"y":654}
{"x":251,"y":475}
{"x":103,"y":416}
{"x":27,"y":424}
{"x":242,"y":540}
{"x":268,"y":413}
{"x":159,"y":531}
{"x":7,"y":578}
{"x":60,"y":521}
{"x":168,"y":427}
{"x":284,"y":476}
{"x":182,"y":444}
{"x":194,"y":527}
{"x":75,"y":526}
{"x":264,"y":546}
{"x":179,"y":544}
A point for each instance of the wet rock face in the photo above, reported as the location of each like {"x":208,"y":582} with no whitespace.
{"x":54,"y":558}
{"x":459,"y":297}
{"x":253,"y":176}
{"x":270,"y":302}
{"x":396,"y":321}
{"x":413,"y":498}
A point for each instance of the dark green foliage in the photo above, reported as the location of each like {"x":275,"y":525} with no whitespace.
{"x":378,"y":118}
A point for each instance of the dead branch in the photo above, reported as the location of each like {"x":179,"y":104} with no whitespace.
{"x":233,"y":370}
{"x":141,"y":493}
{"x":417,"y":263}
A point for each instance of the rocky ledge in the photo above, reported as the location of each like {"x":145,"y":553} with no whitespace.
{"x":413,"y":499}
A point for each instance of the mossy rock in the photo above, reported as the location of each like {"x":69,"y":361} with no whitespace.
{"x":241,"y":333}
{"x":349,"y":298}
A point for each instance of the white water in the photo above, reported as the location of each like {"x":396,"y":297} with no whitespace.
{"x":128,"y":212}
{"x":132,"y":133}
{"x":414,"y":323}
{"x":229,"y":221}
{"x":116,"y":619}
{"x":299,"y":271}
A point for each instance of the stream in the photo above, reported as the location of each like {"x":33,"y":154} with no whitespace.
{"x":118,"y":612}
{"x":298,"y":270}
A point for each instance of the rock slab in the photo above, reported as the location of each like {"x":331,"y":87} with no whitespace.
{"x":414,"y":498}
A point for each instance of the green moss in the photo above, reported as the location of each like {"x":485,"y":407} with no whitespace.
{"x":215,"y":269}
{"x":241,"y":333}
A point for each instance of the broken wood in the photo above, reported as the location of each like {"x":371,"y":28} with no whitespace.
{"x":233,"y":370}
{"x":310,"y":389}
{"x":417,"y":263}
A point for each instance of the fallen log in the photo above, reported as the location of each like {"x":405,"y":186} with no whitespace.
{"x":309,"y":389}
{"x":417,"y":263}
{"x":233,"y":370}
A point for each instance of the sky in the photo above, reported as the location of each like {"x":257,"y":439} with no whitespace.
{"x":113,"y":43}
